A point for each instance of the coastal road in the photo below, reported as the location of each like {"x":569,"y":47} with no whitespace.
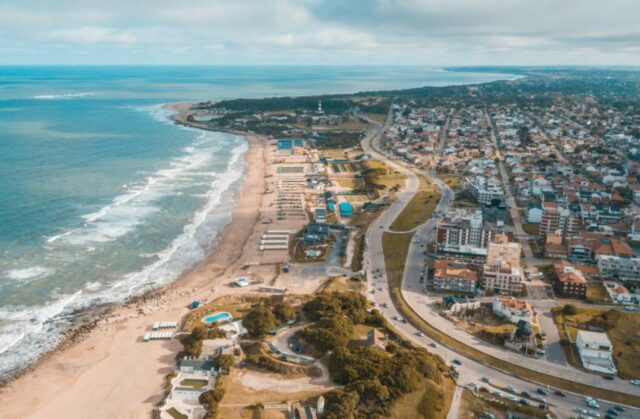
{"x":379,"y":293}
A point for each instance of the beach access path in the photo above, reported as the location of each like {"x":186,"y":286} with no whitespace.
{"x":111,"y":373}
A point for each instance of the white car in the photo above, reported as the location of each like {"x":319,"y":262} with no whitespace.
{"x":635,"y":382}
{"x":512,"y":389}
{"x":630,"y":308}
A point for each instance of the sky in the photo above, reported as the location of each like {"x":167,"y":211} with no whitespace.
{"x":290,"y":32}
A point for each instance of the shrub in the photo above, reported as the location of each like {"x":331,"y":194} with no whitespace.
{"x":569,"y":310}
{"x":284,"y":312}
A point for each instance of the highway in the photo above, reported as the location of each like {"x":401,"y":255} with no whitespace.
{"x":379,"y":293}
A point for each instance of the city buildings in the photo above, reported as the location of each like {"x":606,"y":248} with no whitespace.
{"x":453,"y":276}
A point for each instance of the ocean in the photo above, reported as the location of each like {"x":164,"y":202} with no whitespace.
{"x":102,"y":197}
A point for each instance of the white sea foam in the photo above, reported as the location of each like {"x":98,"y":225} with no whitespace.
{"x":137,"y":203}
{"x":30,"y":273}
{"x":64,"y":96}
{"x":185,"y":249}
{"x":25,"y":326}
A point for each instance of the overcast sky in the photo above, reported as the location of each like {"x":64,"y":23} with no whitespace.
{"x":431,"y":32}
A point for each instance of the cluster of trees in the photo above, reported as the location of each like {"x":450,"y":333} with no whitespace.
{"x":330,"y":104}
{"x":265,"y":316}
{"x":373,"y":379}
{"x":338,"y":139}
{"x":192,"y":343}
{"x":211,"y":399}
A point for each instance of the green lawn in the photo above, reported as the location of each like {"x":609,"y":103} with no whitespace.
{"x":419,"y":209}
{"x":175,"y":414}
{"x":193,"y":383}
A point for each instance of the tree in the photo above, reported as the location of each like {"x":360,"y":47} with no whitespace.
{"x":259,"y":321}
{"x":224,"y":361}
{"x":569,"y":310}
{"x":284,"y":312}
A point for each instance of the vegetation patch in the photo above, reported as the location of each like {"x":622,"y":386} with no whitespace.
{"x":373,"y":380}
{"x":420,"y":208}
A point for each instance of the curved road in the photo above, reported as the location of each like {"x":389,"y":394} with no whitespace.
{"x":470,"y":370}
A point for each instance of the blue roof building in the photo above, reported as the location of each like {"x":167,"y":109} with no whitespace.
{"x":345,"y":209}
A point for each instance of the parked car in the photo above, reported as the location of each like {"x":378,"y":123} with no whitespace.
{"x":635,"y":382}
{"x":542,"y":391}
{"x":559,"y":393}
{"x":456,"y":362}
{"x":512,"y":389}
{"x":526,"y":394}
{"x":485,"y":380}
{"x":433,"y":345}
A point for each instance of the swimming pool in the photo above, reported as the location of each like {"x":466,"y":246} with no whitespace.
{"x":222,"y":316}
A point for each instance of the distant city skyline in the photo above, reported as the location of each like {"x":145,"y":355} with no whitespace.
{"x":272,"y":32}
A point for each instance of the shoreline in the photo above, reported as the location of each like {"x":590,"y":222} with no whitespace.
{"x":106,"y":355}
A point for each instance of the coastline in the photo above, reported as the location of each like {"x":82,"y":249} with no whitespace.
{"x":105,"y":360}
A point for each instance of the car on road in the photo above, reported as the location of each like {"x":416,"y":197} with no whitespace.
{"x":635,"y":382}
{"x":512,"y":398}
{"x":608,"y":377}
{"x":579,"y":410}
{"x":456,"y":362}
{"x":433,"y":345}
{"x":420,"y":334}
{"x":540,"y":398}
{"x":593,"y":414}
{"x":485,"y":380}
{"x":385,"y":305}
{"x":591,"y":402}
{"x":619,"y":409}
{"x":512,"y":389}
{"x":630,"y":308}
{"x":526,"y":394}
{"x":524,"y":402}
{"x":542,"y":391}
{"x":497,"y":393}
{"x":559,"y":393}
{"x":612,"y":412}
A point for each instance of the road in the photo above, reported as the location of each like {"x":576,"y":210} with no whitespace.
{"x":470,"y":370}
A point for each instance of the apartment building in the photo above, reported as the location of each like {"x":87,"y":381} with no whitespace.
{"x":557,"y":220}
{"x":485,"y":190}
{"x":502,"y":272}
{"x":452,"y":276}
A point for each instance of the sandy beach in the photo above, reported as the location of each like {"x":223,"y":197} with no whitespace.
{"x":110,"y":372}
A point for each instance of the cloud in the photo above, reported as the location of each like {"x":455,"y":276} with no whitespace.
{"x":322,"y":31}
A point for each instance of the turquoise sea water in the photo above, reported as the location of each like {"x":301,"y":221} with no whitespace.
{"x":102,"y":197}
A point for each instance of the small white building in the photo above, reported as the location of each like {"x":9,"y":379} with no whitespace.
{"x":596,"y":351}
